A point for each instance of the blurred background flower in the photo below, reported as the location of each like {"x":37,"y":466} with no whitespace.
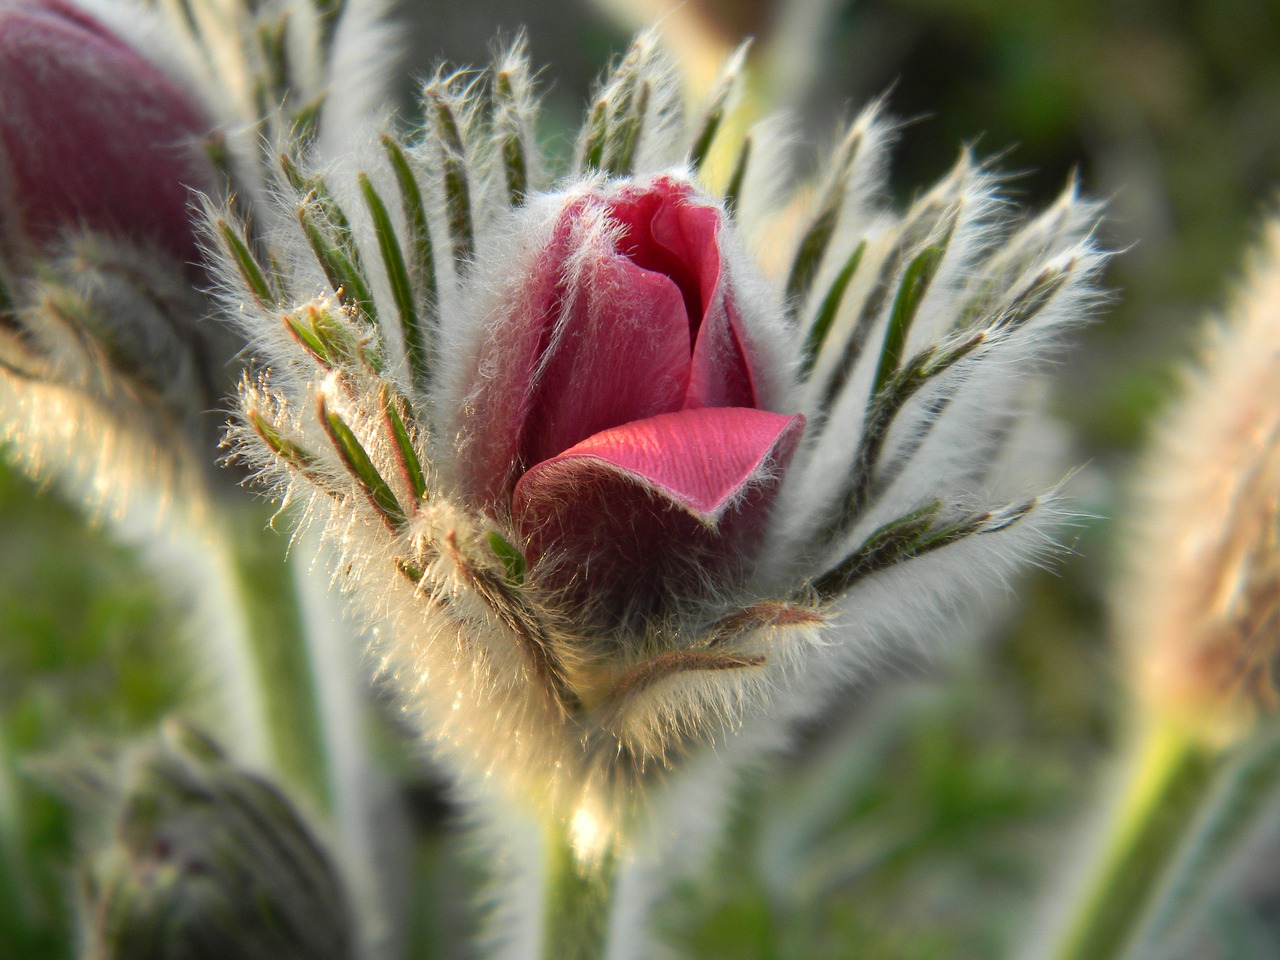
{"x":917,"y":825}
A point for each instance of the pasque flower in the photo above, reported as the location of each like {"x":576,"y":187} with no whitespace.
{"x":617,"y":409}
{"x":103,"y":364}
{"x":114,"y":118}
{"x":113,"y":124}
{"x":620,"y":462}
{"x":93,"y":135}
{"x":201,"y":858}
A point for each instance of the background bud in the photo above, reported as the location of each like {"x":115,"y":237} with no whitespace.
{"x":1201,"y":608}
{"x":91,"y":135}
{"x":208,"y":860}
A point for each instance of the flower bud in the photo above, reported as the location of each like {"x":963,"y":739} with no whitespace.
{"x":91,"y":135}
{"x":616,"y":411}
{"x":1201,"y":606}
{"x":211,"y":861}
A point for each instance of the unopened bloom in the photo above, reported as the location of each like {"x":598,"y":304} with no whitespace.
{"x":204,"y":858}
{"x":618,"y":411}
{"x":113,"y":125}
{"x":93,"y":136}
{"x":606,"y":488}
{"x":1200,"y":608}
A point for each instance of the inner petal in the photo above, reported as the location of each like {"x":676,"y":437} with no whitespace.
{"x":620,"y":351}
{"x":668,"y":233}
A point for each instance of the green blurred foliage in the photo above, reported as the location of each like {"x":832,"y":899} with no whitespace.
{"x":86,"y":655}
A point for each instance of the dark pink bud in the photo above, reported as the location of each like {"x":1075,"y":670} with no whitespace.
{"x":615,"y":416}
{"x":91,"y":135}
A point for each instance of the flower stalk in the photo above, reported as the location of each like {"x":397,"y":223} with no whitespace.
{"x":263,"y":582}
{"x":578,"y":891}
{"x":1167,"y":779}
{"x":1198,"y":615}
{"x":1186,"y":810}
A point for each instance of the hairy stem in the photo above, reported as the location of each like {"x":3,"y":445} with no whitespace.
{"x":578,"y":890}
{"x":1185,"y":811}
{"x":262,"y":582}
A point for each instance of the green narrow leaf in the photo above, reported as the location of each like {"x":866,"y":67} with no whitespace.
{"x":414,"y":572}
{"x":398,"y":277}
{"x":271,"y":43}
{"x":816,"y":239}
{"x":415,"y":214}
{"x":512,"y":559}
{"x":826,"y":315}
{"x":915,"y":284}
{"x":625,"y":128}
{"x":328,"y":233}
{"x":343,"y":274}
{"x":215,"y":148}
{"x":410,"y":466}
{"x":883,"y":548}
{"x":276,"y":277}
{"x":306,"y":335}
{"x":286,"y":449}
{"x":514,"y":163}
{"x":328,"y":14}
{"x":597,"y":127}
{"x":921,"y":225}
{"x":914,"y":535}
{"x":885,"y":406}
{"x":318,"y":191}
{"x":717,"y":105}
{"x":251,"y":271}
{"x":261,"y":98}
{"x":356,"y":459}
{"x":733,"y":192}
{"x":457,"y":188}
{"x":458,"y":201}
{"x":328,"y":339}
{"x":306,"y":121}
{"x":1034,"y":299}
{"x":706,"y":136}
{"x":293,"y":174}
{"x":813,"y":247}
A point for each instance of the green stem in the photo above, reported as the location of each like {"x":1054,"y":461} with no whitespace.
{"x":263,"y":582}
{"x":1187,"y":808}
{"x":579,"y":893}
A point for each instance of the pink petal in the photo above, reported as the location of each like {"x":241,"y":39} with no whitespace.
{"x":619,"y":352}
{"x":504,"y":378}
{"x":646,"y":510}
{"x":669,"y":232}
{"x":586,"y":340}
{"x":92,"y":134}
{"x":720,"y":373}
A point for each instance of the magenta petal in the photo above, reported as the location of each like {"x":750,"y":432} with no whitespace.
{"x":92,"y":134}
{"x":720,"y":372}
{"x":619,"y":352}
{"x":629,"y":515}
{"x":504,"y":378}
{"x":665,"y":231}
{"x":669,"y":232}
{"x":699,"y":459}
{"x":587,"y":339}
